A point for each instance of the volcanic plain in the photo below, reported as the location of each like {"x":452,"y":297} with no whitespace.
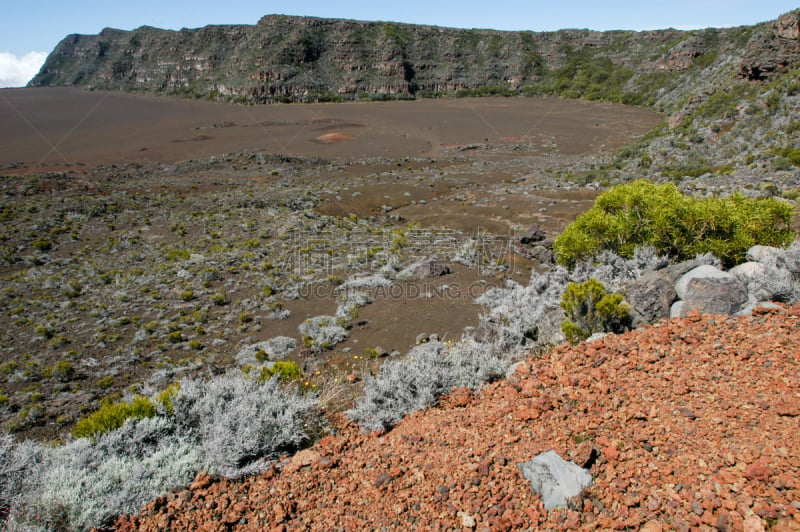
{"x":144,"y":238}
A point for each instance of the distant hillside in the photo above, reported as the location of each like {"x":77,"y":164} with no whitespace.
{"x":301,"y":59}
{"x":732,"y":95}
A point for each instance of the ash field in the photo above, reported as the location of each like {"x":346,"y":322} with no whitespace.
{"x":148,"y":238}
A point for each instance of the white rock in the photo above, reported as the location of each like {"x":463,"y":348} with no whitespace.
{"x":555,"y":479}
{"x":467,"y":521}
{"x":676,"y":310}
{"x":759,"y":253}
{"x":596,"y":336}
{"x":748,"y":270}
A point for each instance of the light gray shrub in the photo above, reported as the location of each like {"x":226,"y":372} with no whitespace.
{"x":322,"y":332}
{"x":21,"y":466}
{"x":532,"y":316}
{"x":277,"y":347}
{"x":237,"y":423}
{"x":615,"y":271}
{"x":84,"y":484}
{"x":473,"y":363}
{"x":401,"y":386}
{"x":429,"y":371}
{"x":526,"y":315}
{"x":467,"y":253}
{"x":229,"y":425}
{"x":87,"y":484}
{"x":350,"y":302}
{"x":368,"y":281}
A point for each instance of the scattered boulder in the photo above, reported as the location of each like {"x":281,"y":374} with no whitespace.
{"x":748,"y":309}
{"x":427,"y":269}
{"x":542,"y":254}
{"x":678,"y":309}
{"x":705,"y":271}
{"x":715,"y":295}
{"x":555,"y":479}
{"x":674,"y":272}
{"x":651,"y":295}
{"x":533,"y":235}
{"x":596,"y":336}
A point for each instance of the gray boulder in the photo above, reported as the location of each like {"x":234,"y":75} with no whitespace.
{"x":533,"y":235}
{"x":676,"y":271}
{"x":540,"y":253}
{"x":651,"y":295}
{"x":705,"y":271}
{"x":748,"y":309}
{"x":715,"y":295}
{"x":554,"y":479}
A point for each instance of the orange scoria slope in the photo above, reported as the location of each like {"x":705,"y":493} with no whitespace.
{"x":694,"y":422}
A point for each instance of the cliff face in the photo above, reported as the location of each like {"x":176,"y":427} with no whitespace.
{"x":294,"y":59}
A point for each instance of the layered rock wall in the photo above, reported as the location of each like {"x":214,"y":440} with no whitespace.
{"x":297,"y":58}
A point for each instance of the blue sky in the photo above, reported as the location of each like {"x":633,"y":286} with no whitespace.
{"x":37,"y":26}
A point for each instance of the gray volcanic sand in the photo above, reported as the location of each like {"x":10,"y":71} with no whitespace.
{"x":59,"y":125}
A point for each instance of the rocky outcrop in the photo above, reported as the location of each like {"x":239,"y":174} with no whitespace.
{"x":651,"y":296}
{"x":788,"y":26}
{"x":300,"y":58}
{"x":776,"y":50}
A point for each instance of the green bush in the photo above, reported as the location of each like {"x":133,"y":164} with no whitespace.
{"x":62,"y":370}
{"x":792,"y":154}
{"x":40,"y":244}
{"x":175,"y":337}
{"x":643,"y":213}
{"x":105,"y":382}
{"x":286,"y":371}
{"x":111,"y":416}
{"x":165,"y":397}
{"x":590,"y":309}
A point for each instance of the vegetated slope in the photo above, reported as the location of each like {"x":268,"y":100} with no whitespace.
{"x":297,"y":58}
{"x":686,"y":424}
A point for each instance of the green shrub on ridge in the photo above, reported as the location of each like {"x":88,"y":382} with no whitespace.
{"x":590,"y":309}
{"x":643,"y":213}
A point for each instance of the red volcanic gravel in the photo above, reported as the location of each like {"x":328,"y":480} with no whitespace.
{"x":688,"y":424}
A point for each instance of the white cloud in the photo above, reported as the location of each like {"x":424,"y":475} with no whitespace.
{"x":17,"y":71}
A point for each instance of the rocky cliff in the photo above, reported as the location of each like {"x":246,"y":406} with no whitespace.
{"x":310,"y":59}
